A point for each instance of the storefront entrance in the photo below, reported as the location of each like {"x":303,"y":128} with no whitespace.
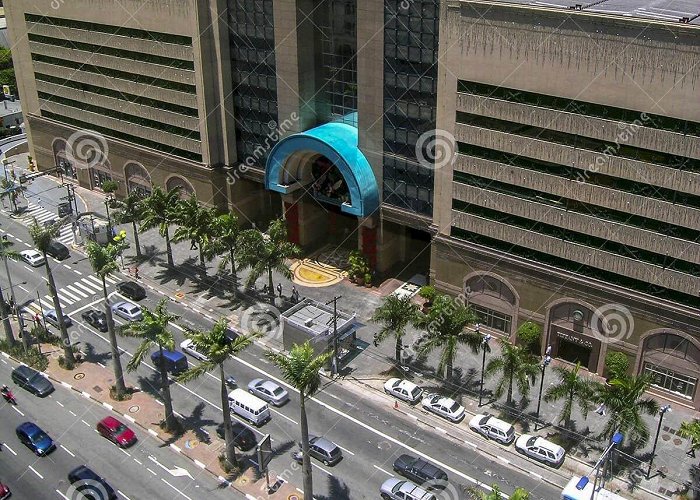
{"x":574,"y":353}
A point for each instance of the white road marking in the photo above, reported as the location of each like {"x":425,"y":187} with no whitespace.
{"x":122,"y":494}
{"x":62,"y":495}
{"x":83,"y":421}
{"x":60,"y":404}
{"x":67,"y":451}
{"x":385,"y":472}
{"x":22,"y":288}
{"x":28,"y":269}
{"x":11,"y":450}
{"x":149,"y":470}
{"x":285,"y":416}
{"x":321,"y":468}
{"x":15,"y":408}
{"x":67,"y":266}
{"x":345,"y":449}
{"x":35,"y":472}
{"x":80,"y":274}
{"x":173,"y":487}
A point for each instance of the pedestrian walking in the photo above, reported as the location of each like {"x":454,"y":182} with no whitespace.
{"x":279,"y":289}
{"x":136,"y":272}
{"x":295,"y":294}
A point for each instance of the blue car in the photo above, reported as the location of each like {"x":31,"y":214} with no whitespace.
{"x":35,"y":439}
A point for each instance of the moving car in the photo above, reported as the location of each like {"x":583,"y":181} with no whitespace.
{"x":52,"y":318}
{"x":493,"y":428}
{"x":117,"y":432}
{"x":403,"y":389}
{"x":127,"y":310}
{"x":540,"y":449}
{"x":251,"y":408}
{"x":188,"y":346}
{"x":35,"y":439}
{"x":32,"y":257}
{"x":131,"y":290}
{"x":398,"y":489}
{"x":324,"y":450}
{"x":31,"y":380}
{"x":175,"y":362}
{"x":243,"y":436}
{"x":4,"y":491}
{"x":96,"y":319}
{"x":58,"y":251}
{"x":445,"y":407}
{"x":269,"y":391}
{"x":90,"y":484}
{"x":420,"y":471}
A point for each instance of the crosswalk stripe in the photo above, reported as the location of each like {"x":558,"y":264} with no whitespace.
{"x":34,"y":308}
{"x":43,"y":217}
{"x":50,"y":301}
{"x":93,"y":280}
{"x":110,"y":280}
{"x":75,"y":290}
{"x":89,"y":290}
{"x":63,"y":299}
{"x":65,"y":292}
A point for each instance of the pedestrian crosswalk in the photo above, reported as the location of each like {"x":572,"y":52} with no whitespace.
{"x":42,"y":215}
{"x":69,"y":295}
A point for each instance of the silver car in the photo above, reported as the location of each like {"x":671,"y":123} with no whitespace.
{"x":268,"y":391}
{"x":52,"y":318}
{"x":188,"y":346}
{"x":32,"y":257}
{"x":127,"y":310}
{"x":399,"y":489}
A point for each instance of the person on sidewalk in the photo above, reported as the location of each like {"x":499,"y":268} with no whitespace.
{"x":136,"y":273}
{"x":279,"y":289}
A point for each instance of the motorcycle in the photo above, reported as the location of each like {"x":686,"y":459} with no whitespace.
{"x":297,"y":456}
{"x":9,"y":397}
{"x":231,"y":382}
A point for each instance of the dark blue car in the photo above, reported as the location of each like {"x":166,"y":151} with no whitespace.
{"x":35,"y":439}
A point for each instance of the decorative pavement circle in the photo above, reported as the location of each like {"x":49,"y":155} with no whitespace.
{"x":311,"y":273}
{"x":79,"y":376}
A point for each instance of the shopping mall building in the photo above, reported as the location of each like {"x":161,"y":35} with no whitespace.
{"x":543,"y":162}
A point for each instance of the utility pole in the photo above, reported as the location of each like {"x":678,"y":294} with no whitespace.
{"x":334,"y":365}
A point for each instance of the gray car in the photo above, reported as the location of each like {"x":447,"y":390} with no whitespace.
{"x":324,"y":450}
{"x":31,"y":380}
{"x":269,"y":391}
{"x":128,"y":311}
{"x":52,"y":318}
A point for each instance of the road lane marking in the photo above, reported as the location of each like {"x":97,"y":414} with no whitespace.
{"x":122,"y":494}
{"x":321,"y":468}
{"x":11,"y":450}
{"x":385,"y":472}
{"x":35,"y":472}
{"x":60,"y":404}
{"x":22,"y":288}
{"x":76,"y":291}
{"x":67,"y":266}
{"x":80,"y":274}
{"x":15,"y":408}
{"x":83,"y":421}
{"x":149,"y":470}
{"x":28,"y":269}
{"x":67,"y":451}
{"x":62,"y":495}
{"x":125,"y":452}
{"x":345,"y":449}
{"x":173,"y":487}
{"x":285,"y":416}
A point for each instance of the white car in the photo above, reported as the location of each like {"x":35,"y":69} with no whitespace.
{"x":493,"y":428}
{"x":540,"y":449}
{"x":128,"y":311}
{"x":188,"y":346}
{"x":403,"y":389}
{"x":32,"y":257}
{"x":400,"y":489}
{"x":269,"y":391}
{"x":444,"y":407}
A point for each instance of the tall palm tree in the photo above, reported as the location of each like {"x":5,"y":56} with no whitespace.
{"x":153,"y":331}
{"x":625,"y":402}
{"x":515,"y":364}
{"x":477,"y":493}
{"x":131,"y":212}
{"x":104,"y":261}
{"x":691,"y":430}
{"x":395,"y":314}
{"x":267,"y":252}
{"x":225,"y":239}
{"x":217,"y":347}
{"x":445,"y":325}
{"x":160,"y":210}
{"x":42,"y":236}
{"x":194,"y":224}
{"x":6,"y":253}
{"x":572,"y":388}
{"x":301,"y":369}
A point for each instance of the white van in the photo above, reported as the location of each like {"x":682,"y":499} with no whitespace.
{"x":249,"y":407}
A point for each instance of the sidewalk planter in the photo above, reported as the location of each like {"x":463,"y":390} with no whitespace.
{"x":368,"y":280}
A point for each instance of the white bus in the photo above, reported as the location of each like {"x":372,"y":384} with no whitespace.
{"x":571,"y":493}
{"x":253,"y":409}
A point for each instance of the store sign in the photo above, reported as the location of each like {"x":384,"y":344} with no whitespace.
{"x":576,"y":340}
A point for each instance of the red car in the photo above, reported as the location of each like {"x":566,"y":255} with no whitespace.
{"x":4,"y":491}
{"x":115,"y":431}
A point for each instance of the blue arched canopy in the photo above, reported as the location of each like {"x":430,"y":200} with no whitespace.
{"x":288,"y":166}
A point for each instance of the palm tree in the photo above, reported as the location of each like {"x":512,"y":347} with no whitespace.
{"x":160,"y":210}
{"x":267,"y":252}
{"x":625,"y":402}
{"x":11,"y":189}
{"x":194,"y":224}
{"x":691,"y":431}
{"x":395,"y":314}
{"x":572,"y":389}
{"x":477,"y":493}
{"x":445,"y":325}
{"x":104,"y":261}
{"x":515,"y":364}
{"x":301,"y":369}
{"x":6,"y":252}
{"x":42,"y":236}
{"x":153,"y":332}
{"x":225,"y":240}
{"x":131,"y":212}
{"x":217,"y":347}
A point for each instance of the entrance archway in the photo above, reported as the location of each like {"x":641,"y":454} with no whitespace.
{"x":137,"y":179}
{"x":494,"y":300}
{"x":571,"y":333}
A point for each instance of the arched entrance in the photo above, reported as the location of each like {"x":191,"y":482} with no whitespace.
{"x":494,"y":300}
{"x":175,"y":181}
{"x":571,"y":332}
{"x":61,"y":159}
{"x":137,"y":179}
{"x":100,"y":173}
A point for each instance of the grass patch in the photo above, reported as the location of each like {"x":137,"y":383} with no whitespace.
{"x":32,"y":357}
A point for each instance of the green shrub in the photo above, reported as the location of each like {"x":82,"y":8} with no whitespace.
{"x":428,"y":292}
{"x":616,"y":363}
{"x":32,"y":357}
{"x":529,"y":335}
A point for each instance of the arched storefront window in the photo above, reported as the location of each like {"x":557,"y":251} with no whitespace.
{"x":99,"y":173}
{"x":61,"y":157}
{"x":493,"y":300}
{"x":186,"y":189}
{"x":672,"y":361}
{"x":137,"y":179}
{"x":572,"y":331}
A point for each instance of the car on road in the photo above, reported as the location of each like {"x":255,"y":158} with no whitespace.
{"x":31,"y":436}
{"x":324,"y":450}
{"x":399,"y":489}
{"x":32,"y":257}
{"x":188,"y":346}
{"x":127,"y":310}
{"x":116,"y":431}
{"x":96,"y":319}
{"x":4,"y":491}
{"x":31,"y":380}
{"x":420,"y":471}
{"x":58,"y":250}
{"x":243,"y":436}
{"x":90,"y":484}
{"x":540,"y":449}
{"x":493,"y":428}
{"x":174,"y":361}
{"x":269,"y":391}
{"x":403,"y":389}
{"x":52,"y":318}
{"x":131,"y":290}
{"x":445,"y":407}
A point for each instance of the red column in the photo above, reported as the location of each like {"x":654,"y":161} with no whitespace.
{"x":291,"y":215}
{"x":369,"y":245}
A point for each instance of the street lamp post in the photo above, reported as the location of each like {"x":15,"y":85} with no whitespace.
{"x":484,"y":345}
{"x":109,"y":220}
{"x":662,"y":411}
{"x":616,"y":439}
{"x":543,"y":366}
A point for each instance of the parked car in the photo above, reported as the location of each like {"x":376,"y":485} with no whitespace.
{"x":58,"y":251}
{"x":540,"y":449}
{"x":96,"y":319}
{"x":243,"y":436}
{"x":188,"y":346}
{"x":31,"y":380}
{"x":52,"y":318}
{"x":84,"y":479}
{"x":398,"y":489}
{"x":4,"y":491}
{"x":324,"y":450}
{"x":175,"y":362}
{"x":419,"y":471}
{"x":127,"y":310}
{"x":64,"y":209}
{"x":269,"y":391}
{"x":493,"y":428}
{"x":116,"y":431}
{"x":444,"y":407}
{"x":32,"y":257}
{"x":31,"y":436}
{"x":131,"y":290}
{"x":403,"y":389}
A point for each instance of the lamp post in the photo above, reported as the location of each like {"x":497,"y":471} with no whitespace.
{"x":616,"y":439}
{"x":484,"y":346}
{"x":662,"y":411}
{"x":543,"y":366}
{"x":109,"y":220}
{"x":467,"y":293}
